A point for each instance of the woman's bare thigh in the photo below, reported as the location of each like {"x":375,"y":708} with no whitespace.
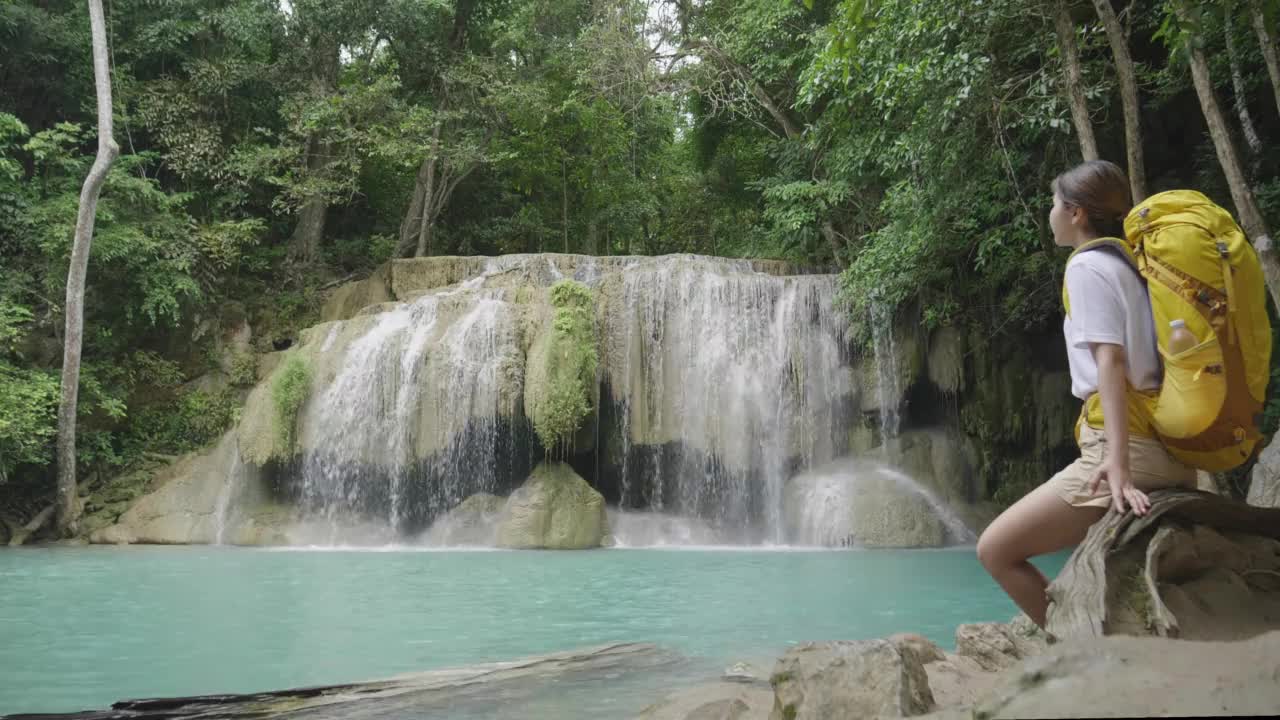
{"x":1041,"y":522}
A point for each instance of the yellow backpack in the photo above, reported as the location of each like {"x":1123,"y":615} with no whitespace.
{"x":1199,"y":268}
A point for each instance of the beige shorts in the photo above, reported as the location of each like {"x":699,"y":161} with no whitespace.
{"x":1151,"y":467}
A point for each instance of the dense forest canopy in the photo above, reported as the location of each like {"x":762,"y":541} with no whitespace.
{"x":272,"y":148}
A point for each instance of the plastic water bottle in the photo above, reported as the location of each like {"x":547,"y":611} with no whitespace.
{"x":1180,"y":338}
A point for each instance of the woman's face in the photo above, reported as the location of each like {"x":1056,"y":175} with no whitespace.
{"x":1063,"y":220}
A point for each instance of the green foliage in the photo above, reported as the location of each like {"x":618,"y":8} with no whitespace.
{"x":191,"y":421}
{"x":564,"y":398}
{"x":289,"y":389}
{"x":28,"y":417}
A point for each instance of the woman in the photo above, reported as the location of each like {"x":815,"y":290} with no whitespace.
{"x":1111,"y":346}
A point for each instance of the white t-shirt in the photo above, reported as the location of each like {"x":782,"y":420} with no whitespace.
{"x":1109,"y":304}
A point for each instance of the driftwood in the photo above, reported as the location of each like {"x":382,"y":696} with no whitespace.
{"x":1166,"y":572}
{"x":20,"y":535}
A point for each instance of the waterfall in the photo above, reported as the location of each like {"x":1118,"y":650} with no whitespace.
{"x":824,"y":506}
{"x":888,"y":391}
{"x":730,"y":380}
{"x":230,"y":489}
{"x":422,"y":381}
{"x":719,"y":381}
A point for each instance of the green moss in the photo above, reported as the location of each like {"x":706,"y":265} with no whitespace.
{"x":288,"y":392}
{"x":563,"y":368}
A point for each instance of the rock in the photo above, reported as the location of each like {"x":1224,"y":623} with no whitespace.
{"x":742,"y":672}
{"x":853,"y":501}
{"x":190,"y":504}
{"x":349,"y":299}
{"x":560,"y":376}
{"x":958,"y":681}
{"x":945,"y":359}
{"x":473,"y":522}
{"x":1196,"y":566}
{"x":1142,"y":677}
{"x":849,"y":678}
{"x":554,"y":509}
{"x":1264,"y":486}
{"x":921,"y":648}
{"x":988,"y":644}
{"x":714,"y":701}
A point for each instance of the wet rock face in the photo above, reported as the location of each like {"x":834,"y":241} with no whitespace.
{"x":554,"y":510}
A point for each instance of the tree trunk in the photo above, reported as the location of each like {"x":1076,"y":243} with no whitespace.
{"x":1128,"y":97}
{"x":430,"y":208}
{"x":68,"y":505}
{"x":1237,"y":86}
{"x":304,"y":245}
{"x":833,"y":239}
{"x":1127,"y":558}
{"x":564,"y":203}
{"x":1074,"y":84}
{"x":1241,"y":194}
{"x":1268,"y":47}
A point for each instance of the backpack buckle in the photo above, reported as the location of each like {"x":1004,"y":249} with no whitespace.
{"x":1222,"y":250}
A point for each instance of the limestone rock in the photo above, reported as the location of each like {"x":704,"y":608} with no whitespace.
{"x":988,"y":644}
{"x":1142,"y":677}
{"x":473,"y":522}
{"x":555,"y":509}
{"x":349,"y":299}
{"x":1264,"y":488}
{"x":849,"y":678}
{"x":856,"y":502}
{"x":922,"y":648}
{"x":714,"y":701}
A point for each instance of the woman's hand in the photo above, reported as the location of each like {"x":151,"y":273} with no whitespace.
{"x":1123,"y":494}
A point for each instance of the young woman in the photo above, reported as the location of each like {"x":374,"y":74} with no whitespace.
{"x":1111,"y":347}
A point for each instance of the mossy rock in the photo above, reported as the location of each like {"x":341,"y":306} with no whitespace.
{"x":561,"y":372}
{"x":555,"y":509}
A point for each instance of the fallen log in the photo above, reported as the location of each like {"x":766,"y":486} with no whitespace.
{"x":1196,"y":566}
{"x":20,"y":535}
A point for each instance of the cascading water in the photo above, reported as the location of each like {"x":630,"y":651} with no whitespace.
{"x":422,"y":382}
{"x":730,"y":380}
{"x":226,"y":495}
{"x":718,"y":383}
{"x":824,"y":505}
{"x":887,"y":388}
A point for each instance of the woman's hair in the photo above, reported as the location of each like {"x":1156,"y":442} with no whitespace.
{"x":1101,"y":189}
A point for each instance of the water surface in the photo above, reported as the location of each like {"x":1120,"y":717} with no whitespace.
{"x":83,"y":627}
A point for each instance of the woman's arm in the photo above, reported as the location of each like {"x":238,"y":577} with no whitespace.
{"x":1113,"y":391}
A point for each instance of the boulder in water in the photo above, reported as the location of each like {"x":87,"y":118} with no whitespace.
{"x":473,"y":522}
{"x":861,"y":503}
{"x":555,"y":509}
{"x":849,"y":679}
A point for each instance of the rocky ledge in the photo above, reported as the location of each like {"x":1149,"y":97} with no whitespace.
{"x":1176,"y":612}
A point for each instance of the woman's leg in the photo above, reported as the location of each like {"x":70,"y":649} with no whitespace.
{"x":1039,"y":523}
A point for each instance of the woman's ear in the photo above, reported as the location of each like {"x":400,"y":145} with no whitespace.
{"x":1078,"y":217}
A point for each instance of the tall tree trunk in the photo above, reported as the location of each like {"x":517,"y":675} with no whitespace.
{"x":1268,"y":46}
{"x":304,"y":245}
{"x":1237,"y":86}
{"x":564,"y":202}
{"x":430,"y":206}
{"x":1074,"y":84}
{"x":1128,"y":99}
{"x":1241,"y":194}
{"x":68,"y":505}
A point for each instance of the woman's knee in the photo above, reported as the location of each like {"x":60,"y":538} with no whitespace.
{"x":991,"y":552}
